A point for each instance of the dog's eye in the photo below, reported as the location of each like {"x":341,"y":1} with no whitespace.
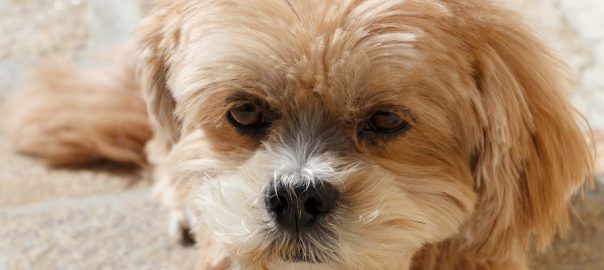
{"x":386,"y":122}
{"x":246,"y":116}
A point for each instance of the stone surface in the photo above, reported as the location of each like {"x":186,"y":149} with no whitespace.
{"x":116,"y":230}
{"x":35,"y":31}
{"x":105,"y":218}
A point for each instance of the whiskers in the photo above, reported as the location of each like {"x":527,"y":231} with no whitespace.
{"x":319,"y":245}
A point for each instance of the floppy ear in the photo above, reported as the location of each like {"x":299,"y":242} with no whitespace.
{"x":533,"y":155}
{"x":158,"y":35}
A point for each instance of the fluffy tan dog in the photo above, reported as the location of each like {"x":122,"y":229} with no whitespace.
{"x":345,"y":134}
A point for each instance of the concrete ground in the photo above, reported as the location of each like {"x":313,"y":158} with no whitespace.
{"x":102,"y":218}
{"x":105,"y":218}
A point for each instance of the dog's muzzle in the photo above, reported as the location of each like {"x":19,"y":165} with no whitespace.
{"x":298,"y":206}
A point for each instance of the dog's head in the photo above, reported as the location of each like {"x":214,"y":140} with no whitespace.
{"x":353,"y":133}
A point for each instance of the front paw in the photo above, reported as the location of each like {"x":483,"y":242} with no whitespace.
{"x":212,"y":257}
{"x":223,"y":263}
{"x":180,"y":228}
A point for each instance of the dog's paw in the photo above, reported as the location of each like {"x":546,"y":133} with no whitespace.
{"x":180,"y":228}
{"x":214,"y":257}
{"x":223,"y":263}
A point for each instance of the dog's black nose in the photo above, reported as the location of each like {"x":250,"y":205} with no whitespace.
{"x":298,"y":206}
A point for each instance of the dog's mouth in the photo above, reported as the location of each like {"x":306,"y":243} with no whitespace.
{"x":308,"y":256}
{"x":302,"y":257}
{"x":315,"y":248}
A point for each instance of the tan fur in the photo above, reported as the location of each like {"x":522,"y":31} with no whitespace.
{"x":482,"y":179}
{"x":68,"y":115}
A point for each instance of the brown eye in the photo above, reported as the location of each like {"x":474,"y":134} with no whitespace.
{"x":386,"y":122}
{"x":246,"y":116}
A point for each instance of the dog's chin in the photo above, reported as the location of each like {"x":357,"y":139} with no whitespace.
{"x":311,"y":247}
{"x":301,"y":254}
{"x":300,"y":257}
{"x":298,"y":265}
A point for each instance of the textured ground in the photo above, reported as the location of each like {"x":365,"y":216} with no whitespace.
{"x":93,"y":219}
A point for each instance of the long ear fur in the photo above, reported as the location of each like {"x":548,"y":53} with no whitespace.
{"x":533,"y":155}
{"x":158,"y":35}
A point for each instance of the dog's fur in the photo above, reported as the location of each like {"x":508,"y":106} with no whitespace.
{"x":73,"y":116}
{"x":482,"y":178}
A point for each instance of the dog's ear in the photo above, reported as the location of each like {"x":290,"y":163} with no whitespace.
{"x":158,"y":35}
{"x":533,"y":154}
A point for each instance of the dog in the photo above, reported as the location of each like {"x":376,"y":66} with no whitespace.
{"x":345,"y":134}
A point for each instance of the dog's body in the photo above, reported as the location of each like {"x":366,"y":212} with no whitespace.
{"x":361,"y":134}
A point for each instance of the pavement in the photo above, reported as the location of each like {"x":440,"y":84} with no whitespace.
{"x":87,"y":218}
{"x":105,"y":218}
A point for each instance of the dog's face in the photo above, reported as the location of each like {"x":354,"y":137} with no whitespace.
{"x":335,"y":133}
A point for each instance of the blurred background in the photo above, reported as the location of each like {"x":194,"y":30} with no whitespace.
{"x":94,"y":219}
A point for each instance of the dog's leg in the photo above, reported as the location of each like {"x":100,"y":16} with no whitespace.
{"x":173,"y":196}
{"x":179,"y":226}
{"x":211,"y":255}
{"x":69,"y":115}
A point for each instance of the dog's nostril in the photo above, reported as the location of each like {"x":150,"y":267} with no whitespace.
{"x":277,"y":204}
{"x":314,"y":206}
